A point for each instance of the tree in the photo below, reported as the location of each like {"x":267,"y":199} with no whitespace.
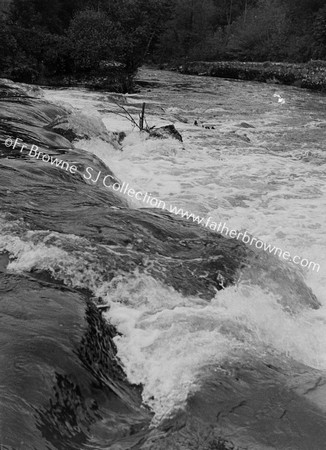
{"x":140,"y":23}
{"x":190,"y":24}
{"x":319,"y":34}
{"x":261,"y":35}
{"x":52,"y":16}
{"x":93,"y":38}
{"x":8,"y":46}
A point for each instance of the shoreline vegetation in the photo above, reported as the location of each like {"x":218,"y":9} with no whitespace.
{"x":311,"y":75}
{"x":100,"y":44}
{"x":113,"y":76}
{"x":82,"y":43}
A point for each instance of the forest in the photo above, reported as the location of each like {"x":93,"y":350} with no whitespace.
{"x":67,"y":40}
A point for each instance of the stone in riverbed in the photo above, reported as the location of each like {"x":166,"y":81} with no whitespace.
{"x":166,"y":132}
{"x":246,"y":125}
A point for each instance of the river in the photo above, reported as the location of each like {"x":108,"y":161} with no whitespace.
{"x":250,"y":364}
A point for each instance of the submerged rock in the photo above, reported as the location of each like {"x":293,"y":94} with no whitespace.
{"x":59,"y":371}
{"x":9,"y":88}
{"x":246,"y":125}
{"x":75,"y":126}
{"x":258,"y":406}
{"x":4,"y":261}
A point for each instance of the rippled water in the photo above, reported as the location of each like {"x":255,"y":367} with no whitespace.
{"x":267,"y":178}
{"x":261,"y":169}
{"x":250,"y":363}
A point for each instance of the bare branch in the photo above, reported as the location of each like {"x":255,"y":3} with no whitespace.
{"x":129,"y":117}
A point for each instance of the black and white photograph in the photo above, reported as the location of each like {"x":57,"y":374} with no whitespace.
{"x":162,"y":224}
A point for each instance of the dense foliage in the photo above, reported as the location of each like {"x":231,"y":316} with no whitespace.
{"x":44,"y":39}
{"x":247,"y":30}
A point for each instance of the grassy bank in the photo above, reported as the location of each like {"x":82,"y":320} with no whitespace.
{"x":311,"y":75}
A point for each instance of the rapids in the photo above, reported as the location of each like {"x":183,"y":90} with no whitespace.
{"x":246,"y":363}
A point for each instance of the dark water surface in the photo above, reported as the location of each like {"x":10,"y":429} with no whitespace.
{"x":125,"y":327}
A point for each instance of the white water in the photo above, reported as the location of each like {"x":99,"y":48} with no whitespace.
{"x":272,"y":186}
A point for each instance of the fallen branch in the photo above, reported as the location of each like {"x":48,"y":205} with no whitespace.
{"x":129,"y":117}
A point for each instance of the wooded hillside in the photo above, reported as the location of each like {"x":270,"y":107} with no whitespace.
{"x":75,"y":40}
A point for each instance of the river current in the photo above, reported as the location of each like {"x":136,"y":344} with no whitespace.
{"x":253,"y":157}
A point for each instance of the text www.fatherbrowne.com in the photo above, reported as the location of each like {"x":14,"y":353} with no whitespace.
{"x":109,"y":182}
{"x":146,"y":198}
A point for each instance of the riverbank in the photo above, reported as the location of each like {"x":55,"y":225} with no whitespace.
{"x":109,"y":76}
{"x":311,"y":75}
